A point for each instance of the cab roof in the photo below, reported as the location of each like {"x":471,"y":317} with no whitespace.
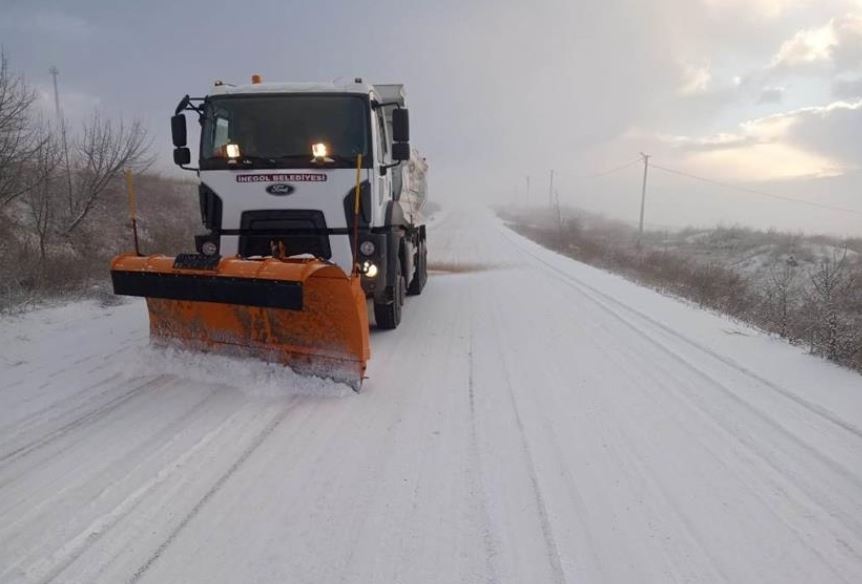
{"x":314,"y":87}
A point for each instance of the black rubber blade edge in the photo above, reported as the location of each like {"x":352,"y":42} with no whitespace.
{"x":206,"y":288}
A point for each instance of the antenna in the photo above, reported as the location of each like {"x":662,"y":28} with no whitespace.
{"x":54,"y":73}
{"x":62,"y":125}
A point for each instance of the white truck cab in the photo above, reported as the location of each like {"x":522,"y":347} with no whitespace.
{"x":279,"y":165}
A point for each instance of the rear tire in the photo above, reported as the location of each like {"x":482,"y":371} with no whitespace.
{"x":420,"y":275}
{"x":388,"y":315}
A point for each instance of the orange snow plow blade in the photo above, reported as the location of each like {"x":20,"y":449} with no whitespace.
{"x":304,"y":313}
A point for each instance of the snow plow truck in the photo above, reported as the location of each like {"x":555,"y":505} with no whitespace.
{"x":311,"y":197}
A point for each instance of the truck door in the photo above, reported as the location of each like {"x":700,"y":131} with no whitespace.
{"x":384,"y":182}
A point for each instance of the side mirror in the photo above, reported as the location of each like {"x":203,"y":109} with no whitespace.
{"x":401,"y":151}
{"x":178,"y":130}
{"x":400,"y":125}
{"x":182,"y":156}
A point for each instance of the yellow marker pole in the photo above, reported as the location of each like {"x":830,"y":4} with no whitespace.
{"x":356,"y":206}
{"x":133,"y":208}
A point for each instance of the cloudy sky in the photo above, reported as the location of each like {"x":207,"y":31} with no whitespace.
{"x":763,"y":94}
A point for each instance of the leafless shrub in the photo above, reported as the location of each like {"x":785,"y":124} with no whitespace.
{"x":831,"y":332}
{"x":780,"y":297}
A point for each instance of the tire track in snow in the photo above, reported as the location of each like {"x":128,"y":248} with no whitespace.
{"x":580,"y":505}
{"x":488,"y":541}
{"x":592,"y":293}
{"x":84,"y":420}
{"x":138,"y":454}
{"x":551,"y":548}
{"x":106,"y":359}
{"x":51,"y":568}
{"x":21,"y":424}
{"x":734,"y":396}
{"x":815,"y":408}
{"x":755,"y":447}
{"x":259,"y":439}
{"x":751,"y":454}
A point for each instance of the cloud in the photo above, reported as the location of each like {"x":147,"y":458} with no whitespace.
{"x":847,"y":88}
{"x":832,"y":130}
{"x":720,"y":141}
{"x":813,"y":141}
{"x":696,"y":80}
{"x":847,"y":54}
{"x":771,"y":95}
{"x":52,"y":22}
{"x":77,"y":105}
{"x":807,"y":47}
{"x":833,"y":47}
{"x":832,"y":51}
{"x":759,"y":8}
{"x":763,"y":162}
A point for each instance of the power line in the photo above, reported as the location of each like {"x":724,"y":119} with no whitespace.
{"x":755,"y":191}
{"x":609,"y":171}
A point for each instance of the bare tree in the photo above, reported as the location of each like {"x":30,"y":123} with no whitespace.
{"x":20,"y":138}
{"x":40,"y":200}
{"x":102,"y":152}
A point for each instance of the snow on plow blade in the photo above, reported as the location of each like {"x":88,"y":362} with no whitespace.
{"x":304,"y":313}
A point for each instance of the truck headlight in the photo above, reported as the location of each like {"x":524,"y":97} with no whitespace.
{"x":319,"y":150}
{"x":369,"y":269}
{"x":367,"y":248}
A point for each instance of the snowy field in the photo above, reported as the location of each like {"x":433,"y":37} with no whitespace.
{"x":533,"y":420}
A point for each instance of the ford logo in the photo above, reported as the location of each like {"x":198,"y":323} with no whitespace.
{"x":280,"y":189}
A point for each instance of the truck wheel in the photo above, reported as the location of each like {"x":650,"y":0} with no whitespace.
{"x":388,"y":315}
{"x":420,"y":275}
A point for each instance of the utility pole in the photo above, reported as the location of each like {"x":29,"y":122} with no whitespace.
{"x":62,"y":125}
{"x":559,"y":217}
{"x":646,"y":158}
{"x":527,"y":200}
{"x":551,"y":190}
{"x":54,"y":73}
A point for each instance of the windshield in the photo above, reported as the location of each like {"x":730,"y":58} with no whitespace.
{"x":279,"y":130}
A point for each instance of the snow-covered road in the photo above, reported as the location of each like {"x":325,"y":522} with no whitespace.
{"x":534,"y":420}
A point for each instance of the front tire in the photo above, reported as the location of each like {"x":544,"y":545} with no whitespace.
{"x":388,"y":315}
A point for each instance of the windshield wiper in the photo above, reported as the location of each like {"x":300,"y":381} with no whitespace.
{"x":245,"y":160}
{"x":290,"y":156}
{"x":331,"y":157}
{"x":345,"y":159}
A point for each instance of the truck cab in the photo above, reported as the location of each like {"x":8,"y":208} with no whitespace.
{"x":281,"y":166}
